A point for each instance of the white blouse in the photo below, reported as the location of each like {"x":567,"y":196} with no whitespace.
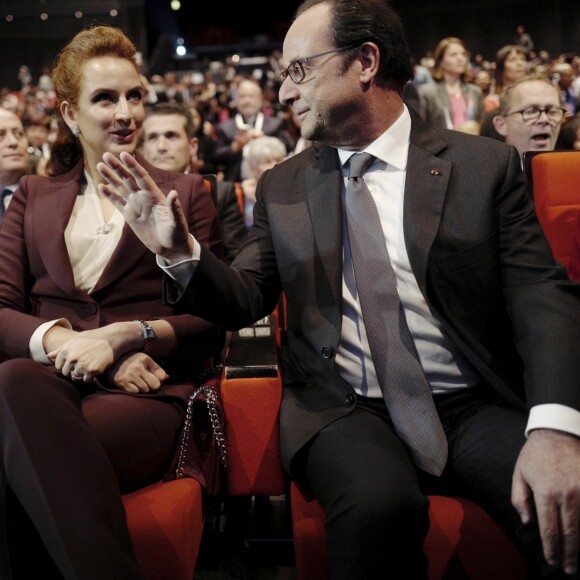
{"x":90,"y":241}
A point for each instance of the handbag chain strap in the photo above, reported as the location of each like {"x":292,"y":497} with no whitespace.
{"x":211,"y":397}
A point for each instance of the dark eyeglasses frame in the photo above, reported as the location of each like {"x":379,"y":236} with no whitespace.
{"x":289,"y":72}
{"x":533,"y":113}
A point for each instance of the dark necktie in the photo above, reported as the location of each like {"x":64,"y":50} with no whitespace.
{"x":5,"y":192}
{"x":403,"y":383}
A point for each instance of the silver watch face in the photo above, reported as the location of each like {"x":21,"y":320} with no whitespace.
{"x":148,"y":333}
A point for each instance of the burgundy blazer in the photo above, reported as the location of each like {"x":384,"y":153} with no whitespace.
{"x":36,"y":278}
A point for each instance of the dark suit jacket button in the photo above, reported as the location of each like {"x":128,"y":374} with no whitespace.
{"x":327,"y":352}
{"x":350,"y":399}
{"x":88,"y":310}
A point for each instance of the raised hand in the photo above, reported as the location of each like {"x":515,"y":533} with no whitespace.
{"x":157,"y":220}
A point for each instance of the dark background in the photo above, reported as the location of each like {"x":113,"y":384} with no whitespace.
{"x":212,"y":30}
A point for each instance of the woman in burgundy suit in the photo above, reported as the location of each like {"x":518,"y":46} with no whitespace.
{"x":92,"y":397}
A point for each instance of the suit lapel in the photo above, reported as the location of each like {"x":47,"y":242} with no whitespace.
{"x":52,"y":211}
{"x":425,"y":189}
{"x":323,"y":187}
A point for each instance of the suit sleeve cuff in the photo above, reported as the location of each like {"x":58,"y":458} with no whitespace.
{"x":182,"y":272}
{"x":35,"y":345}
{"x":554,"y":416}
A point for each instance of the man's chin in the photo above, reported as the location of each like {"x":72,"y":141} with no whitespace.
{"x":166,"y":165}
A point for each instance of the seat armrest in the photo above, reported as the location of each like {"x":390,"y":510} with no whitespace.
{"x":251,"y":390}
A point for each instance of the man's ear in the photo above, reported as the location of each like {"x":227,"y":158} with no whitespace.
{"x":371,"y":60}
{"x":193,"y":148}
{"x":500,"y":125}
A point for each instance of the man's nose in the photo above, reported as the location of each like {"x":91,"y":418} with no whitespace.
{"x":12,"y":139}
{"x":543,"y":118}
{"x":288,"y":92}
{"x":162,"y":143}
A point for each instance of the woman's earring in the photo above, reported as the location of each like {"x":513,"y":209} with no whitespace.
{"x":75,"y":131}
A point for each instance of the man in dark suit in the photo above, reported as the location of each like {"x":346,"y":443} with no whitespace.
{"x":14,"y":157}
{"x":248,"y":123}
{"x":487,"y":307}
{"x":168,"y":142}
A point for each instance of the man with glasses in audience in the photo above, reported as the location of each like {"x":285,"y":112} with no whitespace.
{"x":530,"y":115}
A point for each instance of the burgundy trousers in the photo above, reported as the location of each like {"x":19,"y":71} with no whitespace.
{"x":68,"y":453}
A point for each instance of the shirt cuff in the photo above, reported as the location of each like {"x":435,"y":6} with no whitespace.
{"x":182,"y":272}
{"x":554,"y":416}
{"x":35,"y":345}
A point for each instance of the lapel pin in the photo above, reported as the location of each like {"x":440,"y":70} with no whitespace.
{"x":435,"y":172}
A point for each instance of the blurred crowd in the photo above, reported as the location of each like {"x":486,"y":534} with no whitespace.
{"x":212,"y":97}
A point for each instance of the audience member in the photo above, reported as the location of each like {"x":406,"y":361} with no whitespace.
{"x":37,"y":131}
{"x":523,"y":39}
{"x":569,"y":137}
{"x":451,"y":100}
{"x":484,"y":81}
{"x":445,"y":238}
{"x":14,"y":157}
{"x":205,"y":133}
{"x":510,"y":65}
{"x":248,"y":123}
{"x":530,"y":115}
{"x":168,"y":142}
{"x":93,"y":398}
{"x":421,"y":74}
{"x":263,"y":153}
{"x":563,"y":76}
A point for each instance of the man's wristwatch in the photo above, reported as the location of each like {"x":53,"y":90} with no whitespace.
{"x":148,"y":336}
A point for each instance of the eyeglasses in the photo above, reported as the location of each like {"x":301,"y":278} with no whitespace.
{"x":295,"y":69}
{"x":533,"y":113}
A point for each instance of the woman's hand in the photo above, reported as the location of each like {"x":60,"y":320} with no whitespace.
{"x":90,"y":353}
{"x":83,"y":357}
{"x":136,"y":373}
{"x":157,"y":220}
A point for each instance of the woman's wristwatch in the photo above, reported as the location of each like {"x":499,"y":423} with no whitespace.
{"x":148,"y":336}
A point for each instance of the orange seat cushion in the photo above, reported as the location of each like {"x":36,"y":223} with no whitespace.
{"x":165,"y":523}
{"x":463,"y":542}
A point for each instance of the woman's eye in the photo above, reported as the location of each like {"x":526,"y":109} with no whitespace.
{"x":102,"y":97}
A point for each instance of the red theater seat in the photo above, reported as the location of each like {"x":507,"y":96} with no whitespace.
{"x":463,"y":542}
{"x":165,"y":522}
{"x":554,"y":177}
